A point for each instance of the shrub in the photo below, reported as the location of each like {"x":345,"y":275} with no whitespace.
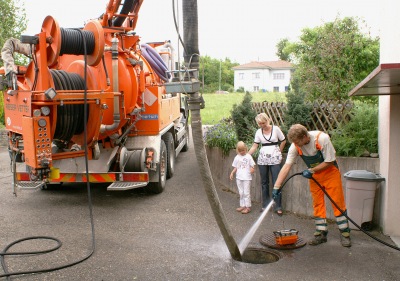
{"x":360,"y":134}
{"x":297,"y":111}
{"x":240,"y":90}
{"x":243,"y":118}
{"x":222,"y":135}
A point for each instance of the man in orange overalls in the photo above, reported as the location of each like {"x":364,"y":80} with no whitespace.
{"x":318,"y":153}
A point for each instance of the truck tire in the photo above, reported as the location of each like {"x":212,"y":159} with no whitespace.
{"x":186,"y":146}
{"x":158,"y":187}
{"x":169,"y":143}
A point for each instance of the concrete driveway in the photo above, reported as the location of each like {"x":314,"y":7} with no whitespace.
{"x":171,"y":236}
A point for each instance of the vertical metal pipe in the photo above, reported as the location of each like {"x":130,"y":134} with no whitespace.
{"x":114,"y":54}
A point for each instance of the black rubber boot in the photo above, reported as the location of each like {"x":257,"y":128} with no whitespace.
{"x":319,"y":238}
{"x":345,"y":239}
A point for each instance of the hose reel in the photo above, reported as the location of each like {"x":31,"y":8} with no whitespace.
{"x":70,"y":117}
{"x":71,"y":41}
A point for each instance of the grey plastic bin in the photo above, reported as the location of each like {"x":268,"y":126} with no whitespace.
{"x":360,"y":196}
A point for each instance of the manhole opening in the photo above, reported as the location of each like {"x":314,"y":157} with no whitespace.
{"x":260,"y":256}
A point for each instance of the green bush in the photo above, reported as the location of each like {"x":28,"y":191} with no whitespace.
{"x":240,"y":90}
{"x":222,"y":135}
{"x":360,"y":134}
{"x":297,"y":111}
{"x":243,"y":118}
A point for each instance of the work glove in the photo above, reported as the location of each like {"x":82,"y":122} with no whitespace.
{"x":307,"y":174}
{"x":275,"y":193}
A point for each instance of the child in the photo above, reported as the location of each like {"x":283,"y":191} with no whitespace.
{"x":243,"y":166}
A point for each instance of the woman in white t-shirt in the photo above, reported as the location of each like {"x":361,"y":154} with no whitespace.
{"x":273,"y":141}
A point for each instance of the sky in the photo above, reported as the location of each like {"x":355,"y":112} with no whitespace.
{"x":242,"y":31}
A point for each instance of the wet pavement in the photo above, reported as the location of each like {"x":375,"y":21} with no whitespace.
{"x":171,"y":236}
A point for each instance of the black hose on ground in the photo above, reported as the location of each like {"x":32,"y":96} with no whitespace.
{"x":343,"y":212}
{"x":5,"y":252}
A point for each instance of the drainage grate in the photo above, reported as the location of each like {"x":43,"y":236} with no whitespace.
{"x":268,"y":240}
{"x":260,"y":256}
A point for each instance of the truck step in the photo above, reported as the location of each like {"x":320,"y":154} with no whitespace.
{"x":119,"y":185}
{"x":29,"y":185}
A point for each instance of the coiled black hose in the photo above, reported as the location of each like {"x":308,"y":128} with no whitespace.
{"x":4,"y":253}
{"x":70,"y":117}
{"x":72,"y":41}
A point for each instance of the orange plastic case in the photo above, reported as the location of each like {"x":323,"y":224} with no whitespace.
{"x":286,"y":237}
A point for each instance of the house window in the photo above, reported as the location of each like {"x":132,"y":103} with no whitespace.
{"x":276,"y":89}
{"x":286,"y":88}
{"x":256,"y":75}
{"x":279,"y":76}
{"x":256,"y":89}
{"x":241,"y":76}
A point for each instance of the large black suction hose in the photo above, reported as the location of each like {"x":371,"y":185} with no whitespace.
{"x":342,"y":212}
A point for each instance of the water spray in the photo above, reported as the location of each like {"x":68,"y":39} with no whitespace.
{"x":249,"y":235}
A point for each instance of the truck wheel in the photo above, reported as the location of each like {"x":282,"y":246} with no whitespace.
{"x":186,"y":146}
{"x":169,"y":143}
{"x":51,"y":186}
{"x":158,"y":187}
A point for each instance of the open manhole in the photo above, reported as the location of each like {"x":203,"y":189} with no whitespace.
{"x":260,"y":256}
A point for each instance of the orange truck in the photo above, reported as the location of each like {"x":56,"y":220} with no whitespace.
{"x":92,"y":105}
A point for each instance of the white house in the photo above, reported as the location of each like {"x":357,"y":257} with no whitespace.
{"x":267,"y":76}
{"x":384,"y":82}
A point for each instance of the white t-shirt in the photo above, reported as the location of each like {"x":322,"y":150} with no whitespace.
{"x":270,"y":154}
{"x":243,"y":165}
{"x":327,"y":149}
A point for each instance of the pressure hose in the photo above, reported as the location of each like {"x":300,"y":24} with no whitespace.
{"x":341,"y":211}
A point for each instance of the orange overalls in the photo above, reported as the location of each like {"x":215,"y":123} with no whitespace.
{"x":330,"y":179}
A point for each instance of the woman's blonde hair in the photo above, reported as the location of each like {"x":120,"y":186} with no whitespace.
{"x":297,"y":132}
{"x":240,"y":146}
{"x":262,"y":117}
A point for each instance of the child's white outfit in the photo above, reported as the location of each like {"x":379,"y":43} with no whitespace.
{"x":243,"y":163}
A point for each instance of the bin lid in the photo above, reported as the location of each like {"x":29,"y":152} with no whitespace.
{"x":363,"y":175}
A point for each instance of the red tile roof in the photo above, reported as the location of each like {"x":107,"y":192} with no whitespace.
{"x":266,"y":64}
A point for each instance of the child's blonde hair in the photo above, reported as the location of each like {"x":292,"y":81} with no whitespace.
{"x":240,"y":146}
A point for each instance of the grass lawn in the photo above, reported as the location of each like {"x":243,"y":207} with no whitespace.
{"x":218,"y":106}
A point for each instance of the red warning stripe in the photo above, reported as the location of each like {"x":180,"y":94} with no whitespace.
{"x":93,"y":177}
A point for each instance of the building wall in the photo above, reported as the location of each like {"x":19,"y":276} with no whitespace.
{"x":296,"y":194}
{"x":389,"y":119}
{"x":389,"y":139}
{"x":265,"y":82}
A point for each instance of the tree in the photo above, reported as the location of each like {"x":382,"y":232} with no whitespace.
{"x":243,"y":116}
{"x":13,"y":20}
{"x":360,"y":135}
{"x":13,"y":23}
{"x":216,"y":73}
{"x":282,"y":50}
{"x":297,"y":111}
{"x":333,"y":58}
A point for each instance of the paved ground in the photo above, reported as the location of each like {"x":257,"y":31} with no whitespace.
{"x":171,"y":236}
